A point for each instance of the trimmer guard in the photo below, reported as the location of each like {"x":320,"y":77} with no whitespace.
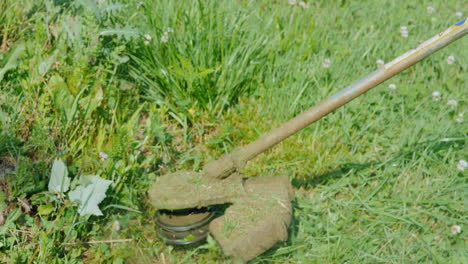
{"x":258,"y":217}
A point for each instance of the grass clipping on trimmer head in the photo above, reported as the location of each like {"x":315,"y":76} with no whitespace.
{"x":258,"y":217}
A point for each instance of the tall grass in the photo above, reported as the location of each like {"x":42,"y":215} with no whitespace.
{"x":218,"y":51}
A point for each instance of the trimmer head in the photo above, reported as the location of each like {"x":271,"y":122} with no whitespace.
{"x":258,"y":215}
{"x":184,"y":227}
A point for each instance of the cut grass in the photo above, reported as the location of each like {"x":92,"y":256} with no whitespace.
{"x":377,"y":181}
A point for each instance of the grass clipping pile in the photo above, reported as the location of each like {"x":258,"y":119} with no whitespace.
{"x":258,"y":217}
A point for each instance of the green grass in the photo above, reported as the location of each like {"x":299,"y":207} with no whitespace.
{"x":376,"y":181}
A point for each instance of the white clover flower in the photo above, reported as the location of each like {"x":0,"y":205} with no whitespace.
{"x":169,"y":30}
{"x":459,"y":14}
{"x":436,"y":96}
{"x":434,"y":19}
{"x":292,"y":2}
{"x":103,"y":156}
{"x":459,"y":118}
{"x":452,"y":103}
{"x":430,"y":9}
{"x":404,"y":31}
{"x":326,"y":63}
{"x":462,"y":164}
{"x":456,"y":229}
{"x":392,"y":86}
{"x":147,"y":37}
{"x":146,"y":42}
{"x":303,"y":4}
{"x":450,"y":59}
{"x":139,"y":3}
{"x":165,"y":37}
{"x":380,"y":64}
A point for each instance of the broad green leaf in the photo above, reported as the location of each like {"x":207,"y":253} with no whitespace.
{"x":59,"y":181}
{"x":91,"y":4}
{"x":90,"y":195}
{"x":45,"y":209}
{"x":12,"y":60}
{"x":47,"y":63}
{"x":63,"y":99}
{"x":3,"y":119}
{"x":91,"y":102}
{"x":3,"y":198}
{"x":72,"y":27}
{"x":13,"y":216}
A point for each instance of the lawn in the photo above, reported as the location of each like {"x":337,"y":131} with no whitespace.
{"x":131,"y":90}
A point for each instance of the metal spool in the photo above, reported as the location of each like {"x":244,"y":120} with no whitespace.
{"x":184,"y":227}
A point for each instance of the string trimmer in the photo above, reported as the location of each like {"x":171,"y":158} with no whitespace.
{"x":259,"y":209}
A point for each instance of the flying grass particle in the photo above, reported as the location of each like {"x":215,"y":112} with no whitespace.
{"x":404,"y":31}
{"x":139,"y":4}
{"x":459,"y":118}
{"x":450,"y":59}
{"x":456,"y":229}
{"x":147,"y":37}
{"x":116,"y":225}
{"x":103,"y":156}
{"x":430,"y":9}
{"x":165,"y":37}
{"x":452,"y":103}
{"x":392,"y":86}
{"x":436,"y":96}
{"x":292,"y":2}
{"x":303,"y":4}
{"x":380,"y":64}
{"x":326,"y":63}
{"x":462,"y":164}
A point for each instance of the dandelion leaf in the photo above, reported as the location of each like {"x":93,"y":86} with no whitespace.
{"x":59,"y":180}
{"x":90,"y":195}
